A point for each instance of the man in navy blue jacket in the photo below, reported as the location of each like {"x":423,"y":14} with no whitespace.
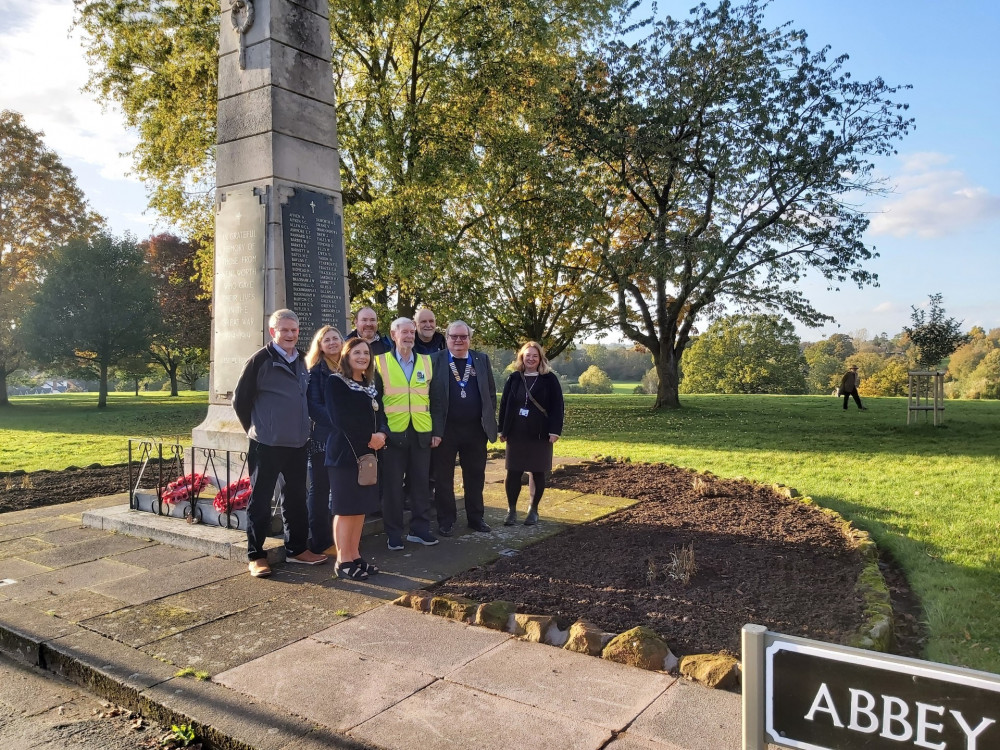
{"x":270,"y":402}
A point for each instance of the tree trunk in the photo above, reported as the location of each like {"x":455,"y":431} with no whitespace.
{"x":4,"y":400}
{"x":667,"y":370}
{"x":137,"y":386}
{"x":173,"y":382}
{"x":102,"y":396}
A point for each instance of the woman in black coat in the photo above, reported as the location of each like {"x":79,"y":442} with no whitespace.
{"x":357,"y":427}
{"x":322,"y":360}
{"x":531,"y":420}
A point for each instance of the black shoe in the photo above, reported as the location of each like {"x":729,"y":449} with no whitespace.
{"x":395,"y":544}
{"x":863,"y":408}
{"x":425,"y":538}
{"x":446,"y":529}
{"x":532,"y":518}
{"x":480,"y":525}
{"x":511,"y":518}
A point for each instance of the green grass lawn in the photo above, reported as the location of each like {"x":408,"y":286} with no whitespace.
{"x":928,"y":495}
{"x":56,"y":431}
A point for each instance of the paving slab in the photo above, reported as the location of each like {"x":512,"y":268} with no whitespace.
{"x":72,"y":535}
{"x":229,"y":544}
{"x":105,"y":666}
{"x":299,"y":678}
{"x":222,"y":715}
{"x":15,"y":569}
{"x":220,"y":645}
{"x":580,"y":687}
{"x":156,"y":556}
{"x":155,"y":584}
{"x":626,"y":741}
{"x":413,"y":640}
{"x":34,"y":527}
{"x":76,"y":605}
{"x":62,"y":581}
{"x":446,"y":716}
{"x":63,"y":556}
{"x":19,"y":547}
{"x":23,"y":630}
{"x":692,"y":717}
{"x":143,"y":623}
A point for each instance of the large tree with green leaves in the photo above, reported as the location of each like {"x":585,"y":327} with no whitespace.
{"x":742,"y":156}
{"x":40,"y":207}
{"x":745,"y":354}
{"x":184,"y":324}
{"x":94,"y":307}
{"x":426,"y":90}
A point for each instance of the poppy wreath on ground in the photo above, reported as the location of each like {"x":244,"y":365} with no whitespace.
{"x":234,"y":497}
{"x":181,"y":489}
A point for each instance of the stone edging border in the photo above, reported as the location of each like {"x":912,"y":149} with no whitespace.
{"x":640,"y":646}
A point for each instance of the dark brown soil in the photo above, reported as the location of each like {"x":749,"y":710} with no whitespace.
{"x":759,"y":558}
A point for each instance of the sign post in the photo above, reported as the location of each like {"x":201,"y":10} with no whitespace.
{"x":810,"y":695}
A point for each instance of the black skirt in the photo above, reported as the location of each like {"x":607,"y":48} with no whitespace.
{"x":349,"y":497}
{"x":528,"y":454}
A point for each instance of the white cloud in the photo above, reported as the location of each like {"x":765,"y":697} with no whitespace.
{"x":883,"y":307}
{"x":932,"y":201}
{"x":45,"y":72}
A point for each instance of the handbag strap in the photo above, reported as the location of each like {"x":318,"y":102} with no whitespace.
{"x":531,"y":398}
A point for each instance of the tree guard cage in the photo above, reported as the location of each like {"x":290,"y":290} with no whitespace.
{"x":926,"y":394}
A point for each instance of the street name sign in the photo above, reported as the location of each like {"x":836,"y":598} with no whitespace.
{"x":810,"y":695}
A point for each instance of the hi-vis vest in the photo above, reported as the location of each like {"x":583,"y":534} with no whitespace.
{"x":403,"y":400}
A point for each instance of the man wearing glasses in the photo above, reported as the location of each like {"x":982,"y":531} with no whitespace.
{"x":463,"y":412}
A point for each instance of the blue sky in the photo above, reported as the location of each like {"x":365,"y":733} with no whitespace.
{"x":937,"y":232}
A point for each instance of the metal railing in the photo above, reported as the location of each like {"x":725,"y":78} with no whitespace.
{"x":217,"y":466}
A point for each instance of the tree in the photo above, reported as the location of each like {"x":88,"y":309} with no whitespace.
{"x":735,"y":149}
{"x":934,"y":335}
{"x":891,"y":380}
{"x":40,"y":207}
{"x":824,"y":371}
{"x":985,"y":379}
{"x":95,"y":306}
{"x":184,"y":328}
{"x":424,"y":89}
{"x":745,"y":354}
{"x":595,"y":380}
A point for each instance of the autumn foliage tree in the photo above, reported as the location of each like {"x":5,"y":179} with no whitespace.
{"x":934,"y":335}
{"x":735,"y":148}
{"x":40,"y":207}
{"x":182,"y":334}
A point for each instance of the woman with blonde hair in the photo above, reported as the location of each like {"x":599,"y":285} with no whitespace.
{"x":531,"y":421}
{"x":322,"y":359}
{"x":358,"y":428}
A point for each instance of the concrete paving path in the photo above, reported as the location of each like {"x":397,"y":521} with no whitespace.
{"x":302,"y":660}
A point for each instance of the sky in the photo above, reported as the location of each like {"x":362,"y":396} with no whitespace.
{"x":937,"y":232}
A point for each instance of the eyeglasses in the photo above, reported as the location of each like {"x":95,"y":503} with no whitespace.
{"x":459,"y":337}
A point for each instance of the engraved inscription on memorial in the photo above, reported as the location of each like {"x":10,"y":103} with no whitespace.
{"x":314,"y":262}
{"x":238,"y":301}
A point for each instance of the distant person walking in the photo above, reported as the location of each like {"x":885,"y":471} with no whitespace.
{"x":849,"y":387}
{"x":531,"y":420}
{"x":270,"y":402}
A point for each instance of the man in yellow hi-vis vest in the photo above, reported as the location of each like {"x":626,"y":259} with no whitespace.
{"x":405,"y":383}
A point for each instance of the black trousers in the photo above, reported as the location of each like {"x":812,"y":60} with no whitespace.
{"x":266,"y":463}
{"x":857,"y":399}
{"x":405,"y":467}
{"x":467,"y":441}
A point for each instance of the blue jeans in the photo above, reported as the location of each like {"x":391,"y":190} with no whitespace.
{"x":318,"y":504}
{"x":266,"y":463}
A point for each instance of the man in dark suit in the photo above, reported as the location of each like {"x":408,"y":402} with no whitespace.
{"x":463,"y":412}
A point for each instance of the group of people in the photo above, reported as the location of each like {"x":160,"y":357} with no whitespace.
{"x":416,"y":401}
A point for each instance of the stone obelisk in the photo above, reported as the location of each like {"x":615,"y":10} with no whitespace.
{"x":279,"y":214}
